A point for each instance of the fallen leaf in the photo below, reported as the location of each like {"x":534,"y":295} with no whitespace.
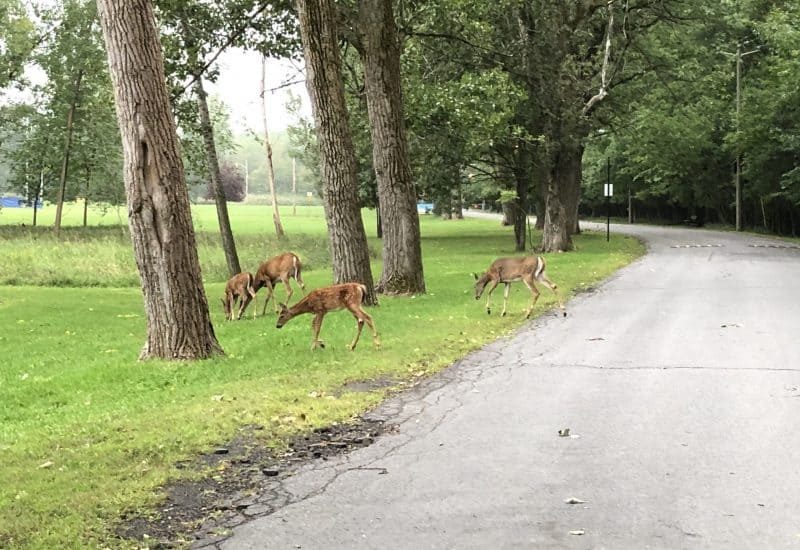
{"x":50,"y":463}
{"x":563,"y":433}
{"x":577,"y":532}
{"x":573,"y":500}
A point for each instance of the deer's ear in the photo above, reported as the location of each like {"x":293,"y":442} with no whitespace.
{"x":475,"y":275}
{"x":283,"y":307}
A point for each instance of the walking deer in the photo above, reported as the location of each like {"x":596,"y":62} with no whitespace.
{"x":279,"y":268}
{"x":239,"y":287}
{"x":331,"y":298}
{"x":529,"y":270}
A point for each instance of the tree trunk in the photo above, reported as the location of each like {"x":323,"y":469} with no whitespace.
{"x":348,"y":240}
{"x":522,"y":180}
{"x":38,"y":195}
{"x":86,"y":197}
{"x":378,"y":221}
{"x":176,"y":309}
{"x":561,"y":199}
{"x":294,"y":187}
{"x":571,"y":192}
{"x":276,"y":213}
{"x":212,"y":163}
{"x":62,"y":184}
{"x":402,"y":253}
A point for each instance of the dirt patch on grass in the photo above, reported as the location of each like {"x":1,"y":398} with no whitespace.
{"x":245,"y":483}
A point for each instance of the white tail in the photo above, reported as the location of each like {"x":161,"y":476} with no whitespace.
{"x":529,"y":270}
{"x":284,"y":267}
{"x":319,"y":302}
{"x":240,"y":287}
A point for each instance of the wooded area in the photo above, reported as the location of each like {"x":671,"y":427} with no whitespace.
{"x":690,"y":107}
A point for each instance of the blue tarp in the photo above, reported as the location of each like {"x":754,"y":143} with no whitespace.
{"x":12,"y":202}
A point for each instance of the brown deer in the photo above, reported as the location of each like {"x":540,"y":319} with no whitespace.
{"x":279,"y":268}
{"x":529,"y":270}
{"x":239,"y":287}
{"x":321,"y":301}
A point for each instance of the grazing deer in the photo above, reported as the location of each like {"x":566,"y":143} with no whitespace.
{"x":321,"y":301}
{"x":279,"y":268}
{"x":529,"y":270}
{"x":239,"y":287}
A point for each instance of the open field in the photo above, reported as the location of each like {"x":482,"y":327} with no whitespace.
{"x":88,"y":434}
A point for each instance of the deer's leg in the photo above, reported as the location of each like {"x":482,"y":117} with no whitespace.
{"x":243,"y":302}
{"x":554,"y":287}
{"x":489,"y":296}
{"x":361,"y":318}
{"x":534,"y":295}
{"x":316,"y":324}
{"x":289,"y":293}
{"x":252,"y":293}
{"x":270,"y":292}
{"x":299,"y":278}
{"x":505,"y":299}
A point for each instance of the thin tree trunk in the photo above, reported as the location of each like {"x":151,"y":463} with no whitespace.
{"x":276,"y":214}
{"x":212,"y":163}
{"x":378,"y":221}
{"x":86,"y":197}
{"x":348,"y":240}
{"x":402,"y":253}
{"x":62,"y":184}
{"x":522,"y":180}
{"x":294,"y":187}
{"x":38,"y":194}
{"x":176,"y":309}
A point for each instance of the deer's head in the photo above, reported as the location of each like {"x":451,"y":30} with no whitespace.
{"x":480,"y":284}
{"x":283,"y":316}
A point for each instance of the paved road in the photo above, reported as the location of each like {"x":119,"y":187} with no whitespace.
{"x":681,"y":377}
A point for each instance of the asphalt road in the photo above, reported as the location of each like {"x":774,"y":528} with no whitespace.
{"x":681,"y":378}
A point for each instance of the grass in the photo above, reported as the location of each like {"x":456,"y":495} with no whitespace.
{"x":88,"y":434}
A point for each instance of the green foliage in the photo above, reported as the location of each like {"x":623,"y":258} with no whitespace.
{"x":72,"y":57}
{"x":17,"y":40}
{"x":88,"y":434}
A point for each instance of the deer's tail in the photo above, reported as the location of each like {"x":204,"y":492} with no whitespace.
{"x":363,"y":292}
{"x":251,"y":284}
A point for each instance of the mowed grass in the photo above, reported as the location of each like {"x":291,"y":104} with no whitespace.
{"x":89,"y":434}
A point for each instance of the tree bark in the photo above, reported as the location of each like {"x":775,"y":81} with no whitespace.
{"x":561,"y":200}
{"x":522,"y":180}
{"x":276,"y":213}
{"x":176,"y":309}
{"x":212,"y":163}
{"x":62,"y":184}
{"x":402,"y":253}
{"x":348,"y":240}
{"x":573,"y":174}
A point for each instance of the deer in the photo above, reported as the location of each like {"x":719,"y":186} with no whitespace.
{"x":279,"y":268}
{"x":239,"y":287}
{"x":322,"y":300}
{"x":529,"y":270}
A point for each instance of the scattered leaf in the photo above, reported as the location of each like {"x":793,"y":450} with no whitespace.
{"x":577,"y":532}
{"x":573,"y":500}
{"x":563,"y":433}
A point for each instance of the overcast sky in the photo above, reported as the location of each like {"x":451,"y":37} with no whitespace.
{"x":239,"y":85}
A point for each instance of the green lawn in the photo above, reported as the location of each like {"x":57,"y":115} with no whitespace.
{"x":87,"y":433}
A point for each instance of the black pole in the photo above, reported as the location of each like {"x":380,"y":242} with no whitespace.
{"x":608,"y":200}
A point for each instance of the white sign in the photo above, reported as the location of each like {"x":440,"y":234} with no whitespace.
{"x":608,"y":189}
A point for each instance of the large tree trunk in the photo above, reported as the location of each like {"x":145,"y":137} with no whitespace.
{"x":178,"y":321}
{"x":402,"y":254}
{"x":573,"y":169}
{"x":276,"y":213}
{"x":349,"y":251}
{"x":212,"y":163}
{"x":62,"y":184}
{"x":559,"y":201}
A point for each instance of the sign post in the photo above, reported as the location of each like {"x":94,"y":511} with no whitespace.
{"x":608,"y":192}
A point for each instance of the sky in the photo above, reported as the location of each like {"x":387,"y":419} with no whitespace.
{"x":239,"y":86}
